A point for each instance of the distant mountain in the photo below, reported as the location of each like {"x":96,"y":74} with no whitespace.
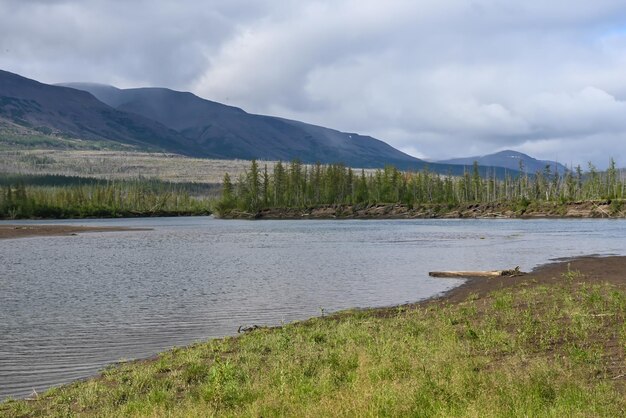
{"x":232,"y":133}
{"x":76,"y":113}
{"x":510,"y":160}
{"x":168,"y":120}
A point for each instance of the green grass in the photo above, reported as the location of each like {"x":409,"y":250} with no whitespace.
{"x":530,"y":350}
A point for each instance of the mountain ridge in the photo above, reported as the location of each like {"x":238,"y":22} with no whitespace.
{"x":183,"y":123}
{"x":234,"y":133}
{"x":77,"y":113}
{"x":509,"y":159}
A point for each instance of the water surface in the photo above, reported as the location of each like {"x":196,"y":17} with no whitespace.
{"x":70,"y":305}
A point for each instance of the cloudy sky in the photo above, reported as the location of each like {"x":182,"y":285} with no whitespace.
{"x":434,"y":78}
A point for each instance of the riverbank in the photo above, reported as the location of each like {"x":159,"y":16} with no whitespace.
{"x":24,"y":231}
{"x":586,"y":209}
{"x":549,"y":343}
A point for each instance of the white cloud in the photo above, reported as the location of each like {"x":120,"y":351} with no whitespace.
{"x":437,"y":78}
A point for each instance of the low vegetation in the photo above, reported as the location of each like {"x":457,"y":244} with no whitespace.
{"x":249,"y":188}
{"x":299,"y":186}
{"x":19,"y":137}
{"x":552,"y":349}
{"x":74,"y":197}
{"x":119,"y":165}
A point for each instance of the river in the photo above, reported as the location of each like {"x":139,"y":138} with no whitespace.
{"x":71,"y":305}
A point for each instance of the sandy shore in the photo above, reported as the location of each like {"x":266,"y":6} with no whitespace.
{"x":23,"y":231}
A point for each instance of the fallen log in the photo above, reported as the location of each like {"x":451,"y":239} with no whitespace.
{"x":470,"y":274}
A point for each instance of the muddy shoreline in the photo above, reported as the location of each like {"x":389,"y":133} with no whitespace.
{"x":551,"y":210}
{"x":588,"y":269}
{"x":611,"y":269}
{"x":25,"y":231}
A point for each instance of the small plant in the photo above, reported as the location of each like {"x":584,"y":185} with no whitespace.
{"x":616,"y":207}
{"x":522,"y":205}
{"x":571,"y":275}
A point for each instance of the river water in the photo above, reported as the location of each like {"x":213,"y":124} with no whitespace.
{"x":71,"y":305}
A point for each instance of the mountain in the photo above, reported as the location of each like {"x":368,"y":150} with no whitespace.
{"x":233,"y":133}
{"x":70,"y":112}
{"x":178,"y":122}
{"x":510,"y":160}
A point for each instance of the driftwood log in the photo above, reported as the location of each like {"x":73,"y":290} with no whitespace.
{"x":469,"y":274}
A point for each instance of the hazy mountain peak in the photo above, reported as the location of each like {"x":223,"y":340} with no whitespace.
{"x":509,"y":159}
{"x":105,"y":93}
{"x":78,"y":84}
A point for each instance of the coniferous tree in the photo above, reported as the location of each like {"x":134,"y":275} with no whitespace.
{"x":299,"y":186}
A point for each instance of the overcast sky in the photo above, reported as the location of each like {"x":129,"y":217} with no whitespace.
{"x":434,"y":78}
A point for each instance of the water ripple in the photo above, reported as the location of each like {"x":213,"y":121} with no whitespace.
{"x":71,"y":305}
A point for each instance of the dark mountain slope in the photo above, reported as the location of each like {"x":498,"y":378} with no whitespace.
{"x":510,"y":160}
{"x":233,"y":133}
{"x":183,"y":123}
{"x":78,"y":114}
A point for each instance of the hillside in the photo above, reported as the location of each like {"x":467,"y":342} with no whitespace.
{"x":95,"y":116}
{"x":233,"y":133}
{"x":66,"y":112}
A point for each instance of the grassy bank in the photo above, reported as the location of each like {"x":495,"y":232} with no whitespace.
{"x":533,"y":346}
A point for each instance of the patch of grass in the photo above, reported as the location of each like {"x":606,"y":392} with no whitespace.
{"x":529,"y":350}
{"x":571,"y":275}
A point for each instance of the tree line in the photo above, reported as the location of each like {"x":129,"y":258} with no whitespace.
{"x":99,"y":199}
{"x":296,"y":185}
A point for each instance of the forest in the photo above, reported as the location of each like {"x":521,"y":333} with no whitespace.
{"x":60,"y":197}
{"x":295,"y":185}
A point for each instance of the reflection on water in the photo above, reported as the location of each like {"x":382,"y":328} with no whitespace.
{"x":70,"y":305}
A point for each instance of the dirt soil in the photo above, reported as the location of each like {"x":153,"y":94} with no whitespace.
{"x":594,"y":269}
{"x":24,"y":231}
{"x":586,"y":209}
